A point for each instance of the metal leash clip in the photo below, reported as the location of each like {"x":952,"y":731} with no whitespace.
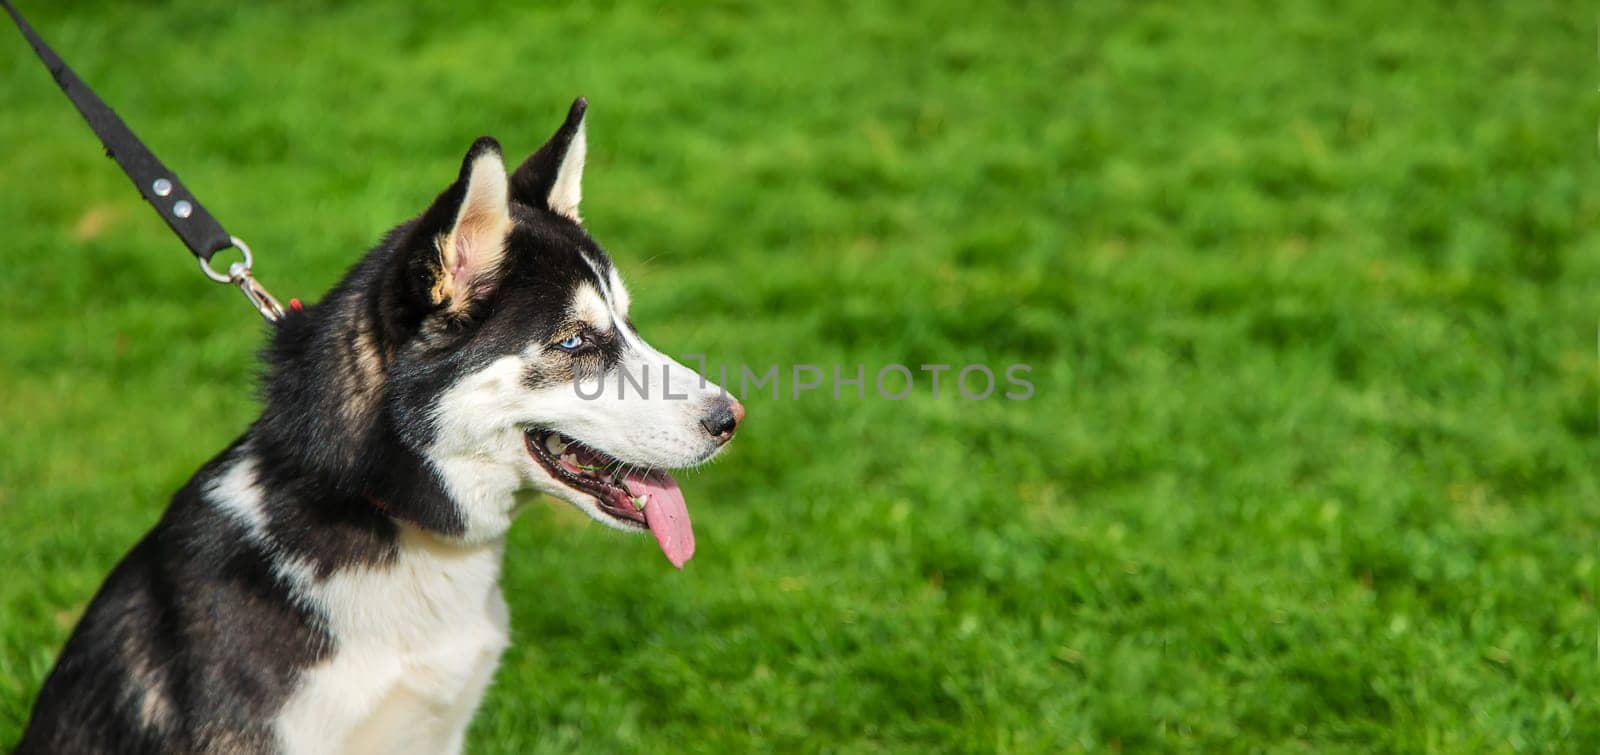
{"x":239,"y":275}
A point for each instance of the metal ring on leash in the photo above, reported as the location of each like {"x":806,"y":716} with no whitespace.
{"x":249,"y":261}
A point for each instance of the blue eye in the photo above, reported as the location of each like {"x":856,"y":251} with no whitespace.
{"x":571,"y":342}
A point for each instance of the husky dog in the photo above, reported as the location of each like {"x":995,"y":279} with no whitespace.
{"x":329,"y":583}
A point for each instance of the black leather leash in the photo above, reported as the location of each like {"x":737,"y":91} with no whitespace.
{"x":180,"y":209}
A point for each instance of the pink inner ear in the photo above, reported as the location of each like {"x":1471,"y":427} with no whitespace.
{"x":463,"y":256}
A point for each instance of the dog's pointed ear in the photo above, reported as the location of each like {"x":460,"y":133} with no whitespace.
{"x":553,"y":176}
{"x":459,"y":244}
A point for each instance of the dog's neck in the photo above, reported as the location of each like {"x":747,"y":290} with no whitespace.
{"x":324,"y":418}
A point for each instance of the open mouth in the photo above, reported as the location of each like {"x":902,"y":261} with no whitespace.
{"x":640,"y":498}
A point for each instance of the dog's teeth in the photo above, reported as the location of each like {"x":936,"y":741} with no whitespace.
{"x":569,"y":460}
{"x":553,"y":444}
{"x":640,"y":500}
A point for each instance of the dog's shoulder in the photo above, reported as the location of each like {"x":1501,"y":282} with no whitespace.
{"x":191,"y":644}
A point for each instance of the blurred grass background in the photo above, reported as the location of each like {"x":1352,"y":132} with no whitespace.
{"x":1308,"y":289}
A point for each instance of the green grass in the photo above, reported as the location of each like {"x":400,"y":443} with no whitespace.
{"x":1308,"y":289}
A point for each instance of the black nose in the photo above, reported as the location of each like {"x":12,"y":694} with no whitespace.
{"x":723,"y":420}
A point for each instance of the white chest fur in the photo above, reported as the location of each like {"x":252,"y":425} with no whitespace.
{"x":415,"y":644}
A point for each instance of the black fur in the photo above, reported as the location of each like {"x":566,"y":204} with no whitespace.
{"x":180,"y":629}
{"x":193,"y":643}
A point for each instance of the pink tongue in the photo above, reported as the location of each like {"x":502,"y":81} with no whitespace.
{"x":665,"y":513}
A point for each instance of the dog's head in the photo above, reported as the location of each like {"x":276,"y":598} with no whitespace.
{"x":508,"y":360}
